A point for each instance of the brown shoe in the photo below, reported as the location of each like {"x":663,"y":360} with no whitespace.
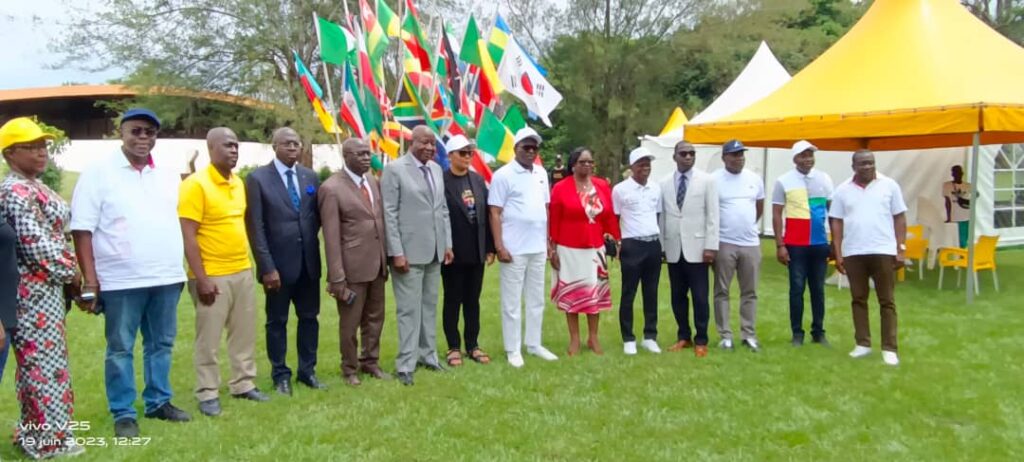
{"x":678,"y":346}
{"x":352,"y":380}
{"x":376,"y":373}
{"x":700,"y":350}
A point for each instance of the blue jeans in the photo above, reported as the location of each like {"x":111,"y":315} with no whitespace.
{"x":154,"y":311}
{"x":807,"y":267}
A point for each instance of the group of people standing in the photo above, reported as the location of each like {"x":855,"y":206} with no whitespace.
{"x":133,"y":219}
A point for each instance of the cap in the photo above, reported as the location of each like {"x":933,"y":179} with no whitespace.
{"x":803,"y":145}
{"x":21,"y":130}
{"x":137,"y":113}
{"x":457,"y":143}
{"x":732,"y":146}
{"x":639,"y":154}
{"x":526,"y":133}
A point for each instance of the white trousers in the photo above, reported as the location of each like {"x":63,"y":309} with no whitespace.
{"x":524,"y":277}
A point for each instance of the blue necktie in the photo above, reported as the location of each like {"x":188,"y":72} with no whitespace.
{"x":681,"y":191}
{"x":293,"y":192}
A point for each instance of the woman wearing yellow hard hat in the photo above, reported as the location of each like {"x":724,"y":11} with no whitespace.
{"x":46,"y":264}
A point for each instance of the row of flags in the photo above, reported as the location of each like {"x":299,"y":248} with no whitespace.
{"x":451,"y":87}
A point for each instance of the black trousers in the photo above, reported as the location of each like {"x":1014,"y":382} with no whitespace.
{"x":462,"y":286}
{"x":641,"y":263}
{"x":690,"y":279}
{"x":305,"y":294}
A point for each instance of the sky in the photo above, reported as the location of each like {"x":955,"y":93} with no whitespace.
{"x":26,"y":29}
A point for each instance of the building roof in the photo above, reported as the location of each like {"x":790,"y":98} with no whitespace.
{"x":105,"y":91}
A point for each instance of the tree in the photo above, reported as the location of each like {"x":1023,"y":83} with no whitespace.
{"x":1005,"y":16}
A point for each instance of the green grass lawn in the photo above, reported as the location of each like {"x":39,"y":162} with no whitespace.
{"x":956,"y":395}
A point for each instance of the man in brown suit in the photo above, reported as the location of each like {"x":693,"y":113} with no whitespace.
{"x":352,"y":217}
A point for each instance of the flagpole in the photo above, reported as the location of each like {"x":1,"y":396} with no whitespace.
{"x":327,"y":80}
{"x":401,"y":78}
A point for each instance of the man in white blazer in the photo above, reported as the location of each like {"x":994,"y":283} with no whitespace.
{"x":689,"y":236}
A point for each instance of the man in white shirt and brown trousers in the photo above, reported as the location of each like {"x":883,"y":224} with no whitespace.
{"x":869,"y":228}
{"x":637,"y":201}
{"x":741,"y":203}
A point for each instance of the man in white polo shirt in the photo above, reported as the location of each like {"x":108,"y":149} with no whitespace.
{"x":741,"y":203}
{"x":518,"y":201}
{"x":869,"y":227}
{"x":124,"y":221}
{"x":637,"y":202}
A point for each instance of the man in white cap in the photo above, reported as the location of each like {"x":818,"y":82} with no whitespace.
{"x":689,"y":237}
{"x":637,"y":202}
{"x":802,"y":196}
{"x":466,"y":194}
{"x":518,"y":201}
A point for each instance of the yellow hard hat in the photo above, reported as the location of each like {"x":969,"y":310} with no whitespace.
{"x":21,"y":130}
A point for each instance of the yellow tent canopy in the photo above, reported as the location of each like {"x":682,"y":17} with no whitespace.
{"x":910,"y":74}
{"x":675,"y":122}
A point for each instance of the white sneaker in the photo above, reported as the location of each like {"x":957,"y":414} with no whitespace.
{"x":629,"y":348}
{"x":860,"y":351}
{"x":650,"y":345}
{"x":890,"y":358}
{"x":725,"y":343}
{"x":542,"y":353}
{"x":515,"y":359}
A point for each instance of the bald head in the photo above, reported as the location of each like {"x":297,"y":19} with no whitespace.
{"x":287,"y":146}
{"x":863,"y":166}
{"x":423,"y":143}
{"x":357,"y":155}
{"x":223,"y":146}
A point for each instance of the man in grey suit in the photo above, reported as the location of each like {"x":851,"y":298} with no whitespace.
{"x":282,"y":222}
{"x":419,"y":240}
{"x":689,"y":232}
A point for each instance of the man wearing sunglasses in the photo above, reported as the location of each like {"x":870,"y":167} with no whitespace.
{"x":124,"y":222}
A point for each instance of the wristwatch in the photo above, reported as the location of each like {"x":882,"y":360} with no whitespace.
{"x":903,"y":246}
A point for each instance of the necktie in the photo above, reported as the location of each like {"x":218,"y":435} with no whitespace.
{"x":681,"y":191}
{"x":293,"y":192}
{"x":426,"y":177}
{"x":366,"y":192}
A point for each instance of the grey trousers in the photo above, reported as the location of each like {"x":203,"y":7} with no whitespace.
{"x":416,"y":310}
{"x":746,"y":262}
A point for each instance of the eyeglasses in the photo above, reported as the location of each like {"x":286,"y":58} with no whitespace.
{"x":686,"y":153}
{"x":465,"y":153}
{"x":530,"y":148}
{"x":138,"y":131}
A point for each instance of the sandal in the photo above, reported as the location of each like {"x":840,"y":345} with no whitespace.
{"x":454,"y":358}
{"x":479,"y":356}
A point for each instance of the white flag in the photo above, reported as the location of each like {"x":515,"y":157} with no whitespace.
{"x":522,"y":78}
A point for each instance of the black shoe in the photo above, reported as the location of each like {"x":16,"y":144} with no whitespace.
{"x":432,"y":367}
{"x":798,"y":340}
{"x":821,"y":340}
{"x":283,"y":387}
{"x":405,"y":378}
{"x":311,"y":382}
{"x":210,"y":407}
{"x":752,"y":345}
{"x":170,"y":413}
{"x":253,"y":395}
{"x":126,"y":428}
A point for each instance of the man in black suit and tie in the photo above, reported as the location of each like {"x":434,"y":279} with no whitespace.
{"x":282,"y":222}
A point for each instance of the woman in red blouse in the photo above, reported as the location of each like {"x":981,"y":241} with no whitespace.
{"x":580,"y":217}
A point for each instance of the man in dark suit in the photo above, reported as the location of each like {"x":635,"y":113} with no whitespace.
{"x":282,"y":222}
{"x":353,"y":218}
{"x":466,"y":194}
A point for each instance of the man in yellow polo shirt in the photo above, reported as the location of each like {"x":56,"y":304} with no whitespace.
{"x":212,"y":213}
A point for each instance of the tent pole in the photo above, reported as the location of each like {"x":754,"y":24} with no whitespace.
{"x":972,"y":223}
{"x":764,"y":179}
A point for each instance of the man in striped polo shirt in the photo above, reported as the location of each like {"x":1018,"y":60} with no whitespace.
{"x":799,"y":217}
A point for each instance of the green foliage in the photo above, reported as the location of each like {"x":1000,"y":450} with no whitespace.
{"x":245,"y":171}
{"x":53,"y":175}
{"x":324,"y":173}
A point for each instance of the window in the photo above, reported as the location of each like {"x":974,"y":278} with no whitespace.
{"x":1008,"y":194}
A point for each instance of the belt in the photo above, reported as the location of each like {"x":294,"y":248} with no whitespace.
{"x":651,"y":238}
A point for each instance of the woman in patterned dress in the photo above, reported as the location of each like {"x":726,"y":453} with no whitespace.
{"x":581,"y":217}
{"x":46,"y":264}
